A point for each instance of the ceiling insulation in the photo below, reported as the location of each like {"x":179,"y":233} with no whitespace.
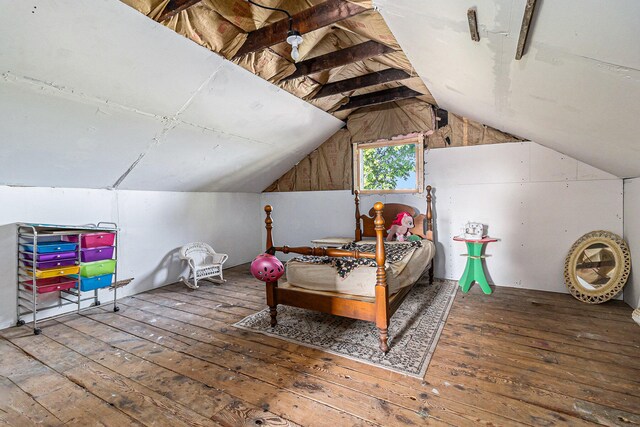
{"x":329,"y":167}
{"x":223,"y":26}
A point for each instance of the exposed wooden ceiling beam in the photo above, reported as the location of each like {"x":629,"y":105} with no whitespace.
{"x":384,"y":76}
{"x":174,"y":7}
{"x":352,"y":54}
{"x":526,"y":26}
{"x":473,"y":24}
{"x":321,"y":15}
{"x":381,"y":97}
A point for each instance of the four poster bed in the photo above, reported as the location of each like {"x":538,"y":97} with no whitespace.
{"x":377,"y":287}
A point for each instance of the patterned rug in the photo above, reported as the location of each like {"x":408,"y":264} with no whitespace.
{"x":413,"y":333}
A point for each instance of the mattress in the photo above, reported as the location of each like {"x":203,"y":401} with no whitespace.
{"x":362,"y":280}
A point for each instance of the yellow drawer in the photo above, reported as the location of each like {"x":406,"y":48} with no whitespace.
{"x":55,"y":272}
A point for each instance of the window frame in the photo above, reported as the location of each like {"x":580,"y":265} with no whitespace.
{"x":416,"y":139}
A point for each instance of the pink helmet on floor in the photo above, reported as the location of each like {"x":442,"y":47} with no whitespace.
{"x":267,"y":268}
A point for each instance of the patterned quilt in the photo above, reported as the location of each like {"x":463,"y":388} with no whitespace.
{"x":394,"y":252}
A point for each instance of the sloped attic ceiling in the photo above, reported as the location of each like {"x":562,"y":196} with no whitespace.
{"x":95,"y":95}
{"x":342,"y":40}
{"x":576,"y":89}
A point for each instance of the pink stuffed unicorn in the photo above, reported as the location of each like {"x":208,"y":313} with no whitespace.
{"x":400,"y":227}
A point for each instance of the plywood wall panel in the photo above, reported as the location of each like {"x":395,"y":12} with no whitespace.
{"x":632,"y":236}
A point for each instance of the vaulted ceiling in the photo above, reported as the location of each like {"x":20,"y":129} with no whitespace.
{"x":106,"y":95}
{"x":576,"y":88}
{"x":96,"y":95}
{"x":348,"y":58}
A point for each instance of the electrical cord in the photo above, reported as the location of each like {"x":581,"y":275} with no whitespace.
{"x":275,"y":9}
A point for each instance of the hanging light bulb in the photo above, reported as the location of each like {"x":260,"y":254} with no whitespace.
{"x":293,"y":36}
{"x":294,"y":39}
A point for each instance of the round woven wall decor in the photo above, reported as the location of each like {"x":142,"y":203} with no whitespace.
{"x":597,"y":267}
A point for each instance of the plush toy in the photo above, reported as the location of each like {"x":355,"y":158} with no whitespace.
{"x":400,"y":227}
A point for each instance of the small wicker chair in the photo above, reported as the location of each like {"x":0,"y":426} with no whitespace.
{"x":204,"y":263}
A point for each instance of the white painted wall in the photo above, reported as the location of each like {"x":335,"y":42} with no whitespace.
{"x":537,"y":201}
{"x":301,"y":216}
{"x":154,"y":225}
{"x":632,"y":236}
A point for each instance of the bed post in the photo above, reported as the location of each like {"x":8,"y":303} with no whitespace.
{"x":271,"y":287}
{"x":267,"y":224}
{"x":382,"y":291}
{"x":358,"y":229}
{"x":430,"y":228}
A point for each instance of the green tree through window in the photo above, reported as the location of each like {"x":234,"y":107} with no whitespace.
{"x":384,"y":167}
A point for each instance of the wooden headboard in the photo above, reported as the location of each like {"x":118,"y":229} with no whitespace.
{"x":423,"y":223}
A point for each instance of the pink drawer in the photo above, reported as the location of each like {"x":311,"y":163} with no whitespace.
{"x":52,"y":284}
{"x":93,"y":240}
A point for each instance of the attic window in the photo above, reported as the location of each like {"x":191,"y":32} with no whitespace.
{"x":389,"y":166}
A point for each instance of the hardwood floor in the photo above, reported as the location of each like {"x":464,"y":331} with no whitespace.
{"x":171,"y":357}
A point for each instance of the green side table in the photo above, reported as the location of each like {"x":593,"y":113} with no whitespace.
{"x":474,"y":272}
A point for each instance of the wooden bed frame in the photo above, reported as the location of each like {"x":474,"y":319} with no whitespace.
{"x":378,"y":309}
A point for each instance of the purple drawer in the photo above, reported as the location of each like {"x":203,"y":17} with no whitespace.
{"x":52,"y":264}
{"x":52,"y":256}
{"x":96,"y":254}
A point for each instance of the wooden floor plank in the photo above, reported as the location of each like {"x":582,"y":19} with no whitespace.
{"x":519,"y":410}
{"x":298,"y":382}
{"x":529,"y":296}
{"x":224,"y":307}
{"x":408,"y":397}
{"x":66,"y":400}
{"x":546,"y":302}
{"x":287,"y":405}
{"x":220,"y":295}
{"x":607,"y":333}
{"x":543,"y":361}
{"x":257,"y":297}
{"x":445,"y":379}
{"x":199,"y":397}
{"x":624,"y":372}
{"x":206,"y":336}
{"x":580,"y":348}
{"x":17,"y":408}
{"x":515,"y":357}
{"x":561,"y":396}
{"x":135,"y":400}
{"x":545,"y":330}
{"x":620,"y":359}
{"x":188,"y":306}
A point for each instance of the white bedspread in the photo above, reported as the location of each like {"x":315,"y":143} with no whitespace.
{"x":362,"y":280}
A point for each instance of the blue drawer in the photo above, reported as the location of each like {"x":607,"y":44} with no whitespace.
{"x":97,"y":282}
{"x":52,"y":247}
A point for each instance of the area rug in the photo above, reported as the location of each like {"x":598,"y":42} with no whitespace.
{"x":413,"y":334}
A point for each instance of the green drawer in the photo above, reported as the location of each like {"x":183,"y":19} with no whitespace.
{"x":97,"y":268}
